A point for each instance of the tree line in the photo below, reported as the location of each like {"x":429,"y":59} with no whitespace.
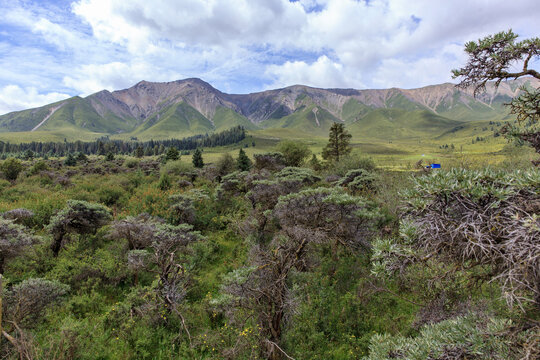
{"x":104,"y":145}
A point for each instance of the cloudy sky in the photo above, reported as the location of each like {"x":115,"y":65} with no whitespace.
{"x":54,"y":49}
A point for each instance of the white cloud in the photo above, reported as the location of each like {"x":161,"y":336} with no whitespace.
{"x":362,"y":37}
{"x":13,"y":98}
{"x":321,"y":73}
{"x":244,"y":45}
{"x":88,"y":79}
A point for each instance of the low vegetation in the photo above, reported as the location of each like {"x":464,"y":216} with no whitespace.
{"x":270,"y":257}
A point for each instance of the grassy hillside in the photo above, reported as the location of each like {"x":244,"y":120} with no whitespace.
{"x":177,"y":121}
{"x":226,"y":118}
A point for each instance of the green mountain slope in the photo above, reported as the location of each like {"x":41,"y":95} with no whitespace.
{"x":398,"y":123}
{"x":226,"y":118}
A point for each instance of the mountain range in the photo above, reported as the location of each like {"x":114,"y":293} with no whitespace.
{"x":191,"y":106}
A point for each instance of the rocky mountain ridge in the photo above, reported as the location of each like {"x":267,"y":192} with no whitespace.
{"x":193,"y":106}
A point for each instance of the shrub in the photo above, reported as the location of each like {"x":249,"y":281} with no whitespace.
{"x":131,"y":163}
{"x":19,"y":216}
{"x":11,"y":168}
{"x":70,"y":160}
{"x":27,"y":300}
{"x":14,"y":239}
{"x":352,"y":163}
{"x":82,"y":157}
{"x":469,"y":337}
{"x":164,"y":182}
{"x":78,"y":217}
{"x":243,"y":163}
{"x":303,"y":175}
{"x":270,"y":161}
{"x":38,"y":167}
{"x":473,"y":219}
{"x":172,"y":154}
{"x":294,"y":152}
{"x":110,"y":195}
{"x":225,"y":164}
{"x":178,"y":168}
{"x":184,"y":205}
{"x":358,"y":180}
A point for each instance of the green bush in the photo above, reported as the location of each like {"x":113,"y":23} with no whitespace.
{"x":111,"y":195}
{"x":131,"y":163}
{"x":11,"y":168}
{"x":352,"y":163}
{"x":38,"y":167}
{"x":164,"y":181}
{"x":294,"y":152}
{"x":178,"y":168}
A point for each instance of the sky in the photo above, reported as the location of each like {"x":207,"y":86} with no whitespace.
{"x":54,"y":49}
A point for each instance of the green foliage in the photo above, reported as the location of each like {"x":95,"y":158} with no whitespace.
{"x":338,"y":143}
{"x":349,"y":163}
{"x":27,"y":301}
{"x":78,"y":217}
{"x":70,"y":160}
{"x":139,"y":152}
{"x":131,"y":163}
{"x":11,"y":168}
{"x":243,"y":162}
{"x":172,"y":154}
{"x":294,"y":152}
{"x":109,"y":156}
{"x":329,"y":269}
{"x":82,"y":157}
{"x":225,"y":164}
{"x":197,"y":159}
{"x":464,"y":337}
{"x":111,"y":195}
{"x":303,"y":175}
{"x":38,"y":166}
{"x":178,"y":168}
{"x":164,"y":181}
{"x":358,"y":180}
{"x":314,"y":163}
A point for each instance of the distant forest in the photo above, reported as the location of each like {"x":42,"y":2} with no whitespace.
{"x":105,"y":145}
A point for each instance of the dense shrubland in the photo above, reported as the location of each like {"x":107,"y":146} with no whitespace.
{"x":280,"y":256}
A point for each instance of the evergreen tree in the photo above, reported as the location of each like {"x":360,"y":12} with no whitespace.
{"x":172,"y":154}
{"x":110,"y":156}
{"x":28,"y":155}
{"x":338,"y":143}
{"x":243,"y":162}
{"x":197,"y":159}
{"x":82,"y":157}
{"x":70,"y":160}
{"x":139,"y":152}
{"x":314,"y":163}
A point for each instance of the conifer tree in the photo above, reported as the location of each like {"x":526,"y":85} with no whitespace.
{"x":243,"y":162}
{"x":139,"y":152}
{"x":197,"y":159}
{"x":338,"y":143}
{"x":172,"y":154}
{"x":70,"y":160}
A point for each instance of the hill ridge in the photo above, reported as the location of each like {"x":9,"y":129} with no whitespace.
{"x":127,"y":110}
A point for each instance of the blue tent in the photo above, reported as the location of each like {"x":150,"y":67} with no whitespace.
{"x":435,"y":166}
